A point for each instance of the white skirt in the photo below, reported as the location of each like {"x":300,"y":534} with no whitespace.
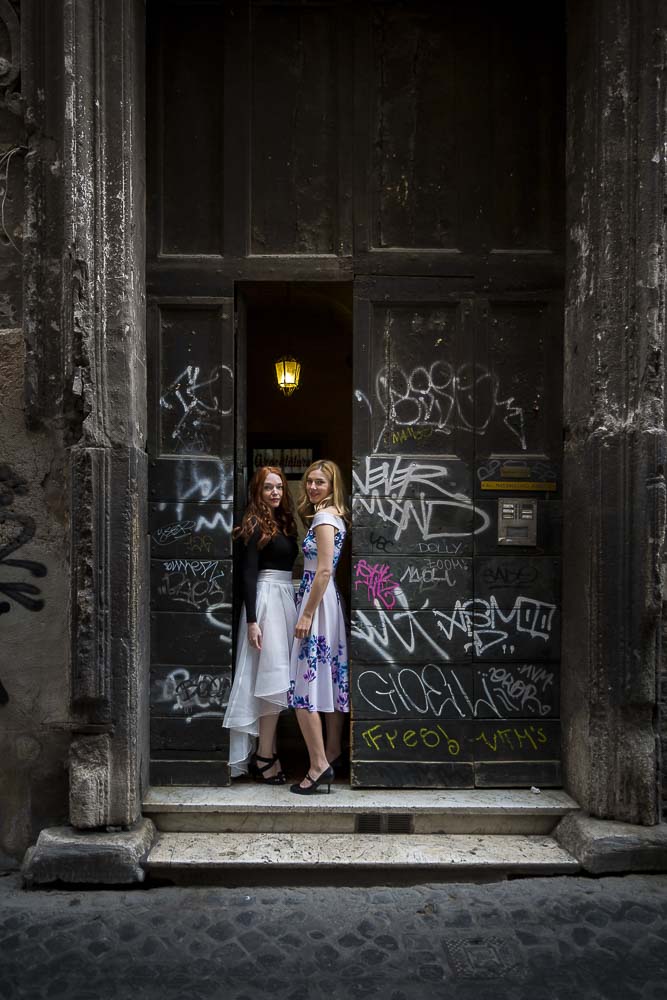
{"x":261,"y":677}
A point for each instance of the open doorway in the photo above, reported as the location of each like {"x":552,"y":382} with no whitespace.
{"x":312,"y":322}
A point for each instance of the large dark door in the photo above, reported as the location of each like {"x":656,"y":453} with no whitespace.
{"x":455,"y":631}
{"x":459,"y":187}
{"x":417,"y":149}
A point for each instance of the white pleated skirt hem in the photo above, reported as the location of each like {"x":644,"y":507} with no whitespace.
{"x":261,"y":678}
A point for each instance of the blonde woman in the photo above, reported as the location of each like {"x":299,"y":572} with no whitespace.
{"x":319,"y":674}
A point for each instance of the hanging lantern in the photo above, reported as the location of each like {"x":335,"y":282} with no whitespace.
{"x":287,"y":374}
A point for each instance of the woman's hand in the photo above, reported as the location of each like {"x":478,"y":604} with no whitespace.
{"x":254,"y":635}
{"x":303,"y":625}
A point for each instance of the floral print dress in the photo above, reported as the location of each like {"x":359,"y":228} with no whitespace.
{"x":319,"y":673}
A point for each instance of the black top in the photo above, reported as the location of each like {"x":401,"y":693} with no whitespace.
{"x":280,"y":553}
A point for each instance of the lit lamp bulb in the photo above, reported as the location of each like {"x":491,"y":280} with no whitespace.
{"x":287,"y":374}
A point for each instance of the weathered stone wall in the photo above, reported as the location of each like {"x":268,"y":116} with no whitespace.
{"x":614,"y":407}
{"x":34,"y":535}
{"x":33,"y":628}
{"x":662,"y":706}
{"x":73,"y":718}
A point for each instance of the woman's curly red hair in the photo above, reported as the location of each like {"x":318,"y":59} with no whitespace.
{"x":260,"y":517}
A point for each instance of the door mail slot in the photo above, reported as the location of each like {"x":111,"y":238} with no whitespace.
{"x":517,"y":522}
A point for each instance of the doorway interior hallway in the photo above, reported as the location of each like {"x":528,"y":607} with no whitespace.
{"x":312,"y":322}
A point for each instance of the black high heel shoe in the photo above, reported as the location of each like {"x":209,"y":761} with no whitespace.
{"x":258,"y":772}
{"x":325,"y":778}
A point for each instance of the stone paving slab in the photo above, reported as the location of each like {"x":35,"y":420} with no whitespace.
{"x":218,"y":851}
{"x":562,"y":938}
{"x":247,"y":807}
{"x":253,"y":797}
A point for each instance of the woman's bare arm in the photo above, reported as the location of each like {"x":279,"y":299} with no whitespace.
{"x":325,"y":535}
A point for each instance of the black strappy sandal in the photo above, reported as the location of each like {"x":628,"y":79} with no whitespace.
{"x":325,"y":778}
{"x":258,"y":772}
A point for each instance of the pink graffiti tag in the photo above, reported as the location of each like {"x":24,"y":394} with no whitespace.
{"x":378,"y":580}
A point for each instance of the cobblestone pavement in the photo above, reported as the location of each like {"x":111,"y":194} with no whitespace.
{"x":542,"y":938}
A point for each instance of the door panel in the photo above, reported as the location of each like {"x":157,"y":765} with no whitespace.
{"x":422,"y":57}
{"x":191,"y":488}
{"x":456,"y":408}
{"x":412,"y":510}
{"x":186,"y":195}
{"x":196,"y":379}
{"x":517,"y":387}
{"x":294,"y":130}
{"x":459,"y":110}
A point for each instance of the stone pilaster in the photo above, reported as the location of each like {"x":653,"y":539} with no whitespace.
{"x":615,"y":447}
{"x":103,"y":45}
{"x":84,"y":281}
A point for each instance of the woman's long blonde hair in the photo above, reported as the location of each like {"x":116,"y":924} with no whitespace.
{"x":337,"y":497}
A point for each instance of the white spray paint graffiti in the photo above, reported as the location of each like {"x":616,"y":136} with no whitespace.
{"x":392,"y":635}
{"x":439,"y":400}
{"x":361,"y":397}
{"x":489,"y":626}
{"x":427,"y":515}
{"x":522,"y":689}
{"x":220,"y":617}
{"x":196,"y":536}
{"x":200,"y":692}
{"x":387,"y":480}
{"x":422,"y":691}
{"x":220,"y":519}
{"x":480,"y":623}
{"x":199,"y":482}
{"x":201,"y":400}
{"x":176,"y":531}
{"x":394,"y":475}
{"x":204,"y":481}
{"x":197,"y":583}
{"x":428,"y":573}
{"x":424,"y":574}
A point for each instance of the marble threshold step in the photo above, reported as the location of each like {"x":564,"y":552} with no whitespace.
{"x":322,"y":858}
{"x":248,"y":808}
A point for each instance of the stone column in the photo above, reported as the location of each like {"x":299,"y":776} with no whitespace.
{"x":614,"y":406}
{"x":86,"y":281}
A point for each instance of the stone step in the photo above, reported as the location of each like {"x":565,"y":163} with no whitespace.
{"x":303,"y":858}
{"x":253,"y":808}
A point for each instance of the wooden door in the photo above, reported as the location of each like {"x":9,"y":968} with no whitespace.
{"x":192,"y":385}
{"x":458,"y":328}
{"x":455,"y":635}
{"x":191,"y":512}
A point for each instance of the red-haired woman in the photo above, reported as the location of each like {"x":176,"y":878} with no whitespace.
{"x":266,"y":629}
